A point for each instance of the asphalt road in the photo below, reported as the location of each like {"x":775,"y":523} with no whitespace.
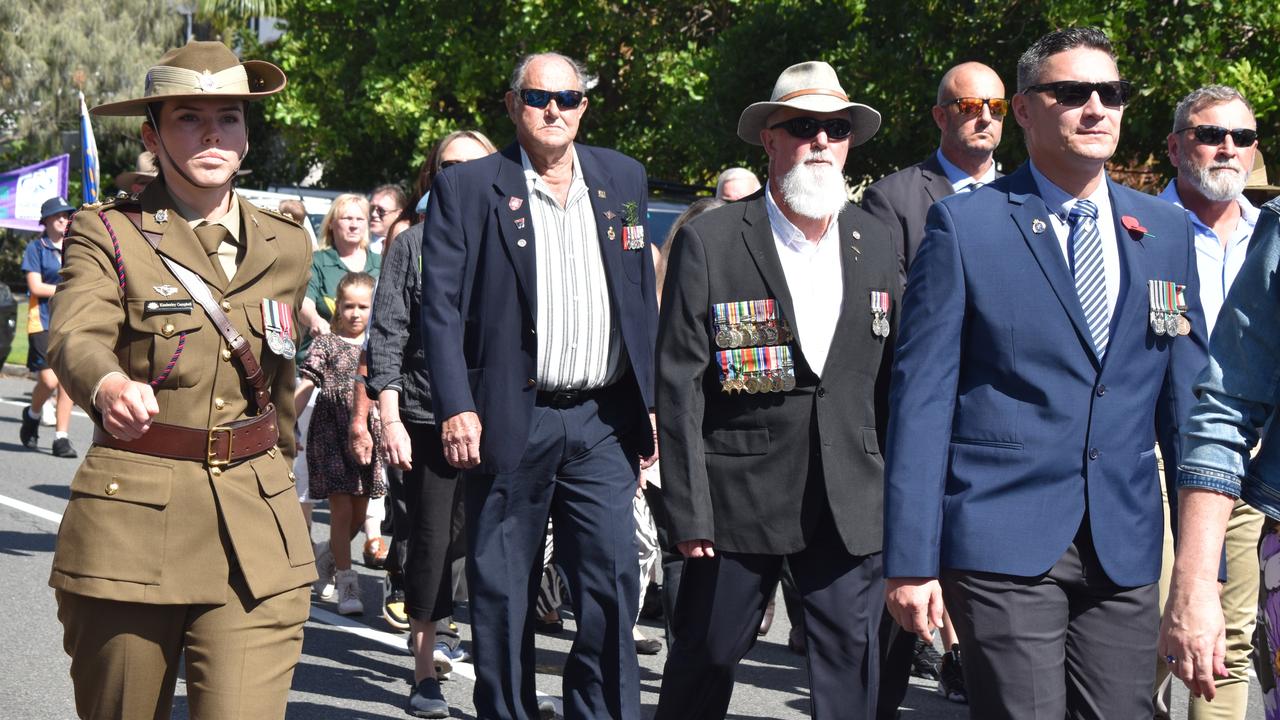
{"x":351,"y":668}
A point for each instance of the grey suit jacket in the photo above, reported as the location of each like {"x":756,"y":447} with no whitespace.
{"x":756,"y":473}
{"x":902,"y":201}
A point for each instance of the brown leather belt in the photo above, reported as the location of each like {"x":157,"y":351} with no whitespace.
{"x":215,"y":447}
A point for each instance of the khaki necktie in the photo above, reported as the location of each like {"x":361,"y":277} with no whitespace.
{"x":211,"y":237}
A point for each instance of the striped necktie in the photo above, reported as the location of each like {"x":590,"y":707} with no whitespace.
{"x":1091,"y":279}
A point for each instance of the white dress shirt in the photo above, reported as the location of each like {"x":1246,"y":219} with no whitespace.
{"x":1217,"y":266}
{"x":1060,"y":203}
{"x":961,"y":180}
{"x":578,"y":343}
{"x":814,"y":280}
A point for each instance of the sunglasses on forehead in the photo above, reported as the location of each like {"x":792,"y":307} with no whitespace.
{"x":805,"y":128}
{"x":973,"y":105}
{"x":1215,"y":134}
{"x":565,"y":99}
{"x":1075,"y":93}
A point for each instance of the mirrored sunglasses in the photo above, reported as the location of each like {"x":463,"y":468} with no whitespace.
{"x":973,"y":106}
{"x":565,"y":99}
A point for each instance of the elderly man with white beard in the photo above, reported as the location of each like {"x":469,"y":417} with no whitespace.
{"x":1212,"y":145}
{"x":774,"y":346}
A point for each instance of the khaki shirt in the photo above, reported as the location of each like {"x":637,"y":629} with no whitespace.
{"x":140,"y":528}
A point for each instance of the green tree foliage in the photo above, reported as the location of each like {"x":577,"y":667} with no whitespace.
{"x":374,"y":82}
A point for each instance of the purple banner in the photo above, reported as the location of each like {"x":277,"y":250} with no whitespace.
{"x":22,"y":191}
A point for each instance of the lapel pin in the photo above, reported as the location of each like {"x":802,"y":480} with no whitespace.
{"x":515,"y":203}
{"x":1037,"y":226}
{"x":857,"y":235}
{"x":162,"y":215}
{"x":610,"y":233}
{"x":519,"y":223}
{"x":521,"y":242}
{"x":165,"y":290}
{"x":600,"y":194}
{"x":609,"y":215}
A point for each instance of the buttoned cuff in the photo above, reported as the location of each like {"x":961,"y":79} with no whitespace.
{"x":1206,"y":479}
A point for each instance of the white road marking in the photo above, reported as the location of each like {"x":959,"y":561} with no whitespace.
{"x":30,"y":509}
{"x":20,"y":403}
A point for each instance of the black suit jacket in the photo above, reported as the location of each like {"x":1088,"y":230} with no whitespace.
{"x":480,"y":294}
{"x":736,"y":469}
{"x":902,"y":201}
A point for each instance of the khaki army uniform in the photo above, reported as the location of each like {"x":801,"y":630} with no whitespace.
{"x":155,"y":555}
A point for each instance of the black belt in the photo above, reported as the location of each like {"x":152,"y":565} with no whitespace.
{"x":569,"y":398}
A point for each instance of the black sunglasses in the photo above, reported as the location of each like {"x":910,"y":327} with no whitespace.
{"x":566,"y":99}
{"x":1074,"y":93}
{"x":1215,"y":134}
{"x":807,"y":127}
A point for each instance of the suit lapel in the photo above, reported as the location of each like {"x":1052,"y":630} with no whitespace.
{"x":178,"y":241}
{"x":606,"y":207}
{"x":1132,"y":296}
{"x":515,"y":223}
{"x":1030,"y":214}
{"x":259,"y":247}
{"x":758,"y":235}
{"x":936,"y":184}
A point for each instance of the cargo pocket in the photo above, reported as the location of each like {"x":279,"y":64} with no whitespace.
{"x":279,"y":492}
{"x":115,"y":524}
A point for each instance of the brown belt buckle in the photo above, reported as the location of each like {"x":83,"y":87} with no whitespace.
{"x":214,"y":460}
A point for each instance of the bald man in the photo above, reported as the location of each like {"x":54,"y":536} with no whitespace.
{"x":970,"y":117}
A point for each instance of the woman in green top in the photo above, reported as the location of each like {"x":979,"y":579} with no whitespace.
{"x":344,"y":248}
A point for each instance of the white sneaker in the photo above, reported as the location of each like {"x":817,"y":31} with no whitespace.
{"x":349,"y":602}
{"x":49,"y":413}
{"x":325,"y":586}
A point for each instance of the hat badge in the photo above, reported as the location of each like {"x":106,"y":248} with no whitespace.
{"x":207,"y":82}
{"x":1037,"y":226}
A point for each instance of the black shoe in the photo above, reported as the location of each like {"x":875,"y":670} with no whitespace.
{"x":29,"y":433}
{"x":649,"y":646}
{"x":925,"y":661}
{"x":62,"y":448}
{"x":951,"y":677}
{"x":652,"y":608}
{"x":546,"y":710}
{"x":795,"y":642}
{"x":555,"y":627}
{"x":426,"y":700}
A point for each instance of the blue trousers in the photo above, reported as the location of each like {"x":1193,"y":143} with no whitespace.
{"x":579,"y":469}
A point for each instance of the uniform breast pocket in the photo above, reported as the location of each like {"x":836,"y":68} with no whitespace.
{"x":115,"y":525}
{"x":631,"y":263}
{"x":254,"y":330}
{"x":160,"y":338}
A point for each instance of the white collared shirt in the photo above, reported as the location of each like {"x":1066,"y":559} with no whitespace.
{"x":814,"y":280}
{"x":578,"y":343}
{"x":961,"y":180}
{"x":1060,"y":203}
{"x":1217,"y":266}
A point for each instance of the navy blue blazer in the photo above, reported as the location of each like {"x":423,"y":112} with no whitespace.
{"x":1004,"y":428}
{"x":480,"y":294}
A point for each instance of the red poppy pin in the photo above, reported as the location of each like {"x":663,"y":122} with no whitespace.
{"x":1134,"y":227}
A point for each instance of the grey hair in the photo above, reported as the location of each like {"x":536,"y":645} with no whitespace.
{"x":733,"y":173}
{"x":1031,"y":64}
{"x":1204,"y":97}
{"x":586,"y":80}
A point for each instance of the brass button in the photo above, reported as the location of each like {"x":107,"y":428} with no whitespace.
{"x":292,"y":476}
{"x":113,"y":487}
{"x":215,"y":471}
{"x":167,"y":330}
{"x":219,"y":403}
{"x":226,"y":306}
{"x":531,"y":382}
{"x":226,"y":354}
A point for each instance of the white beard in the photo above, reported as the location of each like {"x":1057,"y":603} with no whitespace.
{"x":814,"y":191}
{"x":1214,"y":184}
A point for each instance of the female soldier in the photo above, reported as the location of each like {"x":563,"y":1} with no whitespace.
{"x":173,"y":323}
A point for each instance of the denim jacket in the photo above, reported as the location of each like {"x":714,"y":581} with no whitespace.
{"x":1240,"y":389}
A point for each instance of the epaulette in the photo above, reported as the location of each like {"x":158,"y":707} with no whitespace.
{"x":281,"y":216}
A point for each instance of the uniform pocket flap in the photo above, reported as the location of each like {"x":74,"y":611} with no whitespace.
{"x":133,"y":480}
{"x":737,"y":441}
{"x":255,"y":323}
{"x":165,"y":324}
{"x":271,"y":481}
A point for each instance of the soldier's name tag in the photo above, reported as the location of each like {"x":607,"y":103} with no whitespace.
{"x":167,"y":307}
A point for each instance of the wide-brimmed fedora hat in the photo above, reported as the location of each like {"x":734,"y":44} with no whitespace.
{"x":147,"y":170}
{"x":1258,"y":188}
{"x":201,"y":69}
{"x":811,"y":86}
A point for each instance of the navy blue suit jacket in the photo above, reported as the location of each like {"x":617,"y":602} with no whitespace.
{"x":480,"y":294}
{"x":1004,"y":427}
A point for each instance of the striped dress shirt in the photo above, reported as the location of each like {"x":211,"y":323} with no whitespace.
{"x":578,"y":343}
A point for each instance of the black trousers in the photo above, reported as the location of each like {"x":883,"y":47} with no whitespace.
{"x":1066,"y":644}
{"x":897,"y":649}
{"x":433,"y":497}
{"x":718,"y":613}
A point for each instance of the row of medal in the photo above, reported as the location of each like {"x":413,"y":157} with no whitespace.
{"x":1168,"y":307}
{"x":277,"y":318}
{"x":756,"y":370}
{"x":748,"y":323}
{"x":880,"y":313}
